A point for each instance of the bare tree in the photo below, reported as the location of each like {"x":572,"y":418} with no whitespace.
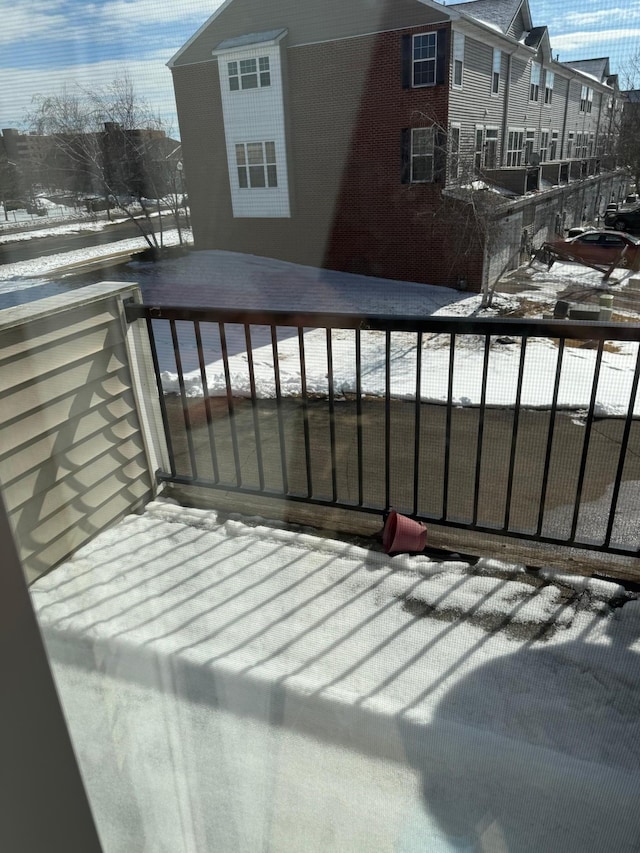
{"x":627,"y":122}
{"x":464,"y":219}
{"x":108,"y":142}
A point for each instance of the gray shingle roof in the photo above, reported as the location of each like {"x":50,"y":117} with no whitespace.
{"x":498,"y":12}
{"x":596,"y":67}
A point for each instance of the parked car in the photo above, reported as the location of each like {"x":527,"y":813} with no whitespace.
{"x":602,"y":247}
{"x":93,"y":205}
{"x":624,"y":218}
{"x":15,"y":204}
{"x":37,"y":208}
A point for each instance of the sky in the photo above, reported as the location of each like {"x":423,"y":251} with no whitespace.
{"x":46,"y":44}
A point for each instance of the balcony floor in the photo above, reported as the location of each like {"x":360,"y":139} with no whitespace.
{"x":232,"y":685}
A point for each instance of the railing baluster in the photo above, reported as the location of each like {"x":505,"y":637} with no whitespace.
{"x":332,"y":418}
{"x":417,"y":426}
{"x":254,"y":405}
{"x":305,"y":411}
{"x":163,"y":405}
{"x":481,"y":413}
{"x":623,"y":451}
{"x":447,"y":433}
{"x":207,"y":401}
{"x":387,"y":420}
{"x":359,"y":416}
{"x":278,"y":387}
{"x":393,"y":488}
{"x":514,"y":434}
{"x":230,"y":404}
{"x":550,"y":433}
{"x":587,"y":438}
{"x":183,"y":398}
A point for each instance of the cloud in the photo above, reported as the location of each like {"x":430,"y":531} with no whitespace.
{"x":150,"y":77}
{"x":587,"y":38}
{"x":150,"y":12}
{"x":601,"y":16}
{"x":32,"y":18}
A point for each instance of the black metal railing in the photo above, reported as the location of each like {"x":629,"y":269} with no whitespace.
{"x":544,"y":444}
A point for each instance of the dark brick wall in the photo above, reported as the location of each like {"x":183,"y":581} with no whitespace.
{"x":346,"y":109}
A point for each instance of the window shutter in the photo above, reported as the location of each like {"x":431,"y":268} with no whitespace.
{"x":405,"y":156}
{"x":439,"y":156}
{"x":441,"y":56}
{"x":406,"y":62}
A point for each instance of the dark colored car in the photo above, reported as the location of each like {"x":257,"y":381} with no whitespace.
{"x":602,"y":247}
{"x":15,"y":204}
{"x":624,"y":218}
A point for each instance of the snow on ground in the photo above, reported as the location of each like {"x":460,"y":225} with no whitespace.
{"x":233,"y":686}
{"x":13,"y":275}
{"x":228,"y":279}
{"x":231,"y":280}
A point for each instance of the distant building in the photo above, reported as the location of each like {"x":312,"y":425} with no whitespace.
{"x":115,"y":160}
{"x":375,"y":136}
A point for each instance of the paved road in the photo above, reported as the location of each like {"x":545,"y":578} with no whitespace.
{"x":38,"y":247}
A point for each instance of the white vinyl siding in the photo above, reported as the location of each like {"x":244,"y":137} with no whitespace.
{"x":254,"y":127}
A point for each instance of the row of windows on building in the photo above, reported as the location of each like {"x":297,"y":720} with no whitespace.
{"x":255,"y":73}
{"x":257,"y":168}
{"x":520,"y":149}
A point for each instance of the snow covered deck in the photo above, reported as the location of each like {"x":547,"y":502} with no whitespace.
{"x":235,"y":686}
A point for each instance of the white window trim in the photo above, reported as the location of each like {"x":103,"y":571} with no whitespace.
{"x":458,"y":57}
{"x":270,"y":176}
{"x":534,"y":82}
{"x":545,"y":135}
{"x":518,"y":152}
{"x":433,"y":59}
{"x":495,"y":72}
{"x":261,"y":74}
{"x":549,"y":81}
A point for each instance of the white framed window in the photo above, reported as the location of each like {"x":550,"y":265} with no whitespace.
{"x":458,"y":59}
{"x":424,"y":54}
{"x":422,"y":139}
{"x":544,"y":145}
{"x":586,"y":99}
{"x":591,"y":145}
{"x":251,"y":73}
{"x":515,"y":144}
{"x":570,"y":139}
{"x":454,"y":151}
{"x":553,"y":149}
{"x":256,"y":165}
{"x":549,"y":79}
{"x":486,"y":148}
{"x":495,"y":73}
{"x":529,"y":143}
{"x":534,"y":85}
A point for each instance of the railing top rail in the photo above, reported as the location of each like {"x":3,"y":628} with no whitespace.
{"x":579,"y":329}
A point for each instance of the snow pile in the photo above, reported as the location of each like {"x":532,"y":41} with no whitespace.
{"x":234,"y":686}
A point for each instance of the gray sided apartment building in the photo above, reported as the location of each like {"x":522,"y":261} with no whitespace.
{"x":398,"y":138}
